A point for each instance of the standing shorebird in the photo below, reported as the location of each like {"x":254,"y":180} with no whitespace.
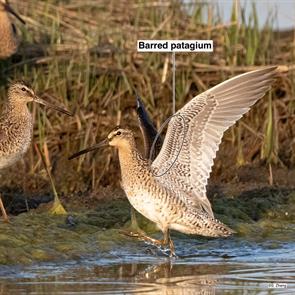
{"x":171,"y":191}
{"x":16,"y":125}
{"x":9,"y":40}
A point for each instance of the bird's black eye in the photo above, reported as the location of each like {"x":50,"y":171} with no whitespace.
{"x":118,"y":133}
{"x":24,"y":89}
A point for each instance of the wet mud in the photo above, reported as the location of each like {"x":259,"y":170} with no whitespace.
{"x":266,"y":214}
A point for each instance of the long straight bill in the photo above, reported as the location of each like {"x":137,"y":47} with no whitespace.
{"x":49,"y":105}
{"x":11,"y":10}
{"x":92,"y":148}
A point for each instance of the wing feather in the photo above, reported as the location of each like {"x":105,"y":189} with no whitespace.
{"x":195,"y":132}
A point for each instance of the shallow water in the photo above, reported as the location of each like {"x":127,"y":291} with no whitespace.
{"x":85,"y":253}
{"x":218,"y":266}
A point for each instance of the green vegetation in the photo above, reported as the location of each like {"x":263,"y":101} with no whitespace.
{"x":36,"y":236}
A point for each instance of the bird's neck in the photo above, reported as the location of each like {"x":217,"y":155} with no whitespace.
{"x":132,"y":163}
{"x":13,"y":109}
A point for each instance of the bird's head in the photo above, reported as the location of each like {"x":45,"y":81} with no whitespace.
{"x":118,"y":137}
{"x":21,"y":92}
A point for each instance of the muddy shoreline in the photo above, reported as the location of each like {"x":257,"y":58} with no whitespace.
{"x":93,"y":224}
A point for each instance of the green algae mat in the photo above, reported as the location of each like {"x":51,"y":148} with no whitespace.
{"x":43,"y":237}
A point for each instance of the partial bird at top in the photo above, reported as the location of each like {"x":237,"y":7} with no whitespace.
{"x":9,"y":41}
{"x":172,"y":190}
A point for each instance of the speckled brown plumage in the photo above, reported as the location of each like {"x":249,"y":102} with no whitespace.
{"x":15,"y":129}
{"x":155,"y":201}
{"x":16,"y":125}
{"x":15,"y":133}
{"x":171,"y":191}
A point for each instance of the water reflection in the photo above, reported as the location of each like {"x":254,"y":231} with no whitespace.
{"x":231,"y":266}
{"x":145,"y":278}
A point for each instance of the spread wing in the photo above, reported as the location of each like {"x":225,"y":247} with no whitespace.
{"x":195,"y":132}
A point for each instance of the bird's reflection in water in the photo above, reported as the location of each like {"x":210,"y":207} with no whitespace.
{"x":152,"y":277}
{"x":166,"y":278}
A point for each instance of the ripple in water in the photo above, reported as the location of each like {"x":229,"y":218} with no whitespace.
{"x":232,"y":266}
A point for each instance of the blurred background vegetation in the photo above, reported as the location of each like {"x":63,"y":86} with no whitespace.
{"x":82,"y":54}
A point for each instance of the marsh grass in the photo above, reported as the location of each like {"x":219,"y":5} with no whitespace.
{"x":82,"y":54}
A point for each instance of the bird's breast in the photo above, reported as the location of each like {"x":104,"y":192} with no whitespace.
{"x":15,"y":142}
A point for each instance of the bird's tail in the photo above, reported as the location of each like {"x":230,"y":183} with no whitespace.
{"x":219,"y":229}
{"x":211,"y":227}
{"x":215,"y":228}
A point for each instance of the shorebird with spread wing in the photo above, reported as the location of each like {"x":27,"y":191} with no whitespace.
{"x":171,"y":190}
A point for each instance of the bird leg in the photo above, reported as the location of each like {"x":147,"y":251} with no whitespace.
{"x":150,"y":240}
{"x":172,"y":249}
{"x":142,"y":237}
{"x":133,"y":230}
{"x":4,"y":214}
{"x":134,"y":227}
{"x":167,"y":241}
{"x":160,"y":244}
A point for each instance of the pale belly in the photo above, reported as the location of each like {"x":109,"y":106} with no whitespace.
{"x":150,"y":207}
